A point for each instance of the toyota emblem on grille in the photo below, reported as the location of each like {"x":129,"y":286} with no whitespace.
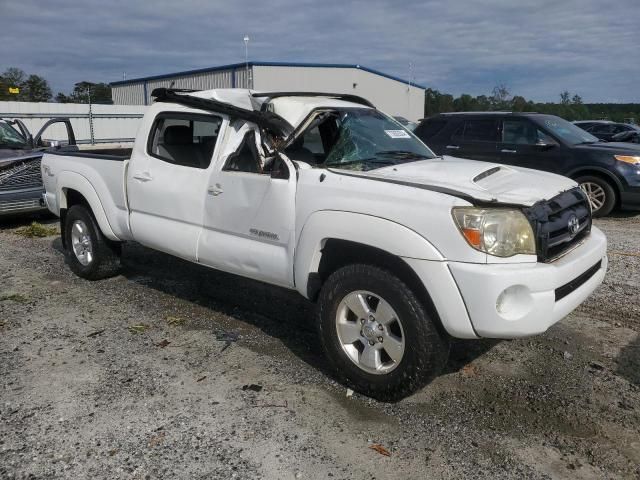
{"x":574,"y":225}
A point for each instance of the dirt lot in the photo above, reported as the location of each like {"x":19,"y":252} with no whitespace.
{"x":174,"y":371}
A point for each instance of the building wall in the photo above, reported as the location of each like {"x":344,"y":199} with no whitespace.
{"x":390,"y":96}
{"x":134,"y":93}
{"x":110,"y":122}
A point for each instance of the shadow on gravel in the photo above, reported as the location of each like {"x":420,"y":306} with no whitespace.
{"x":276,"y":311}
{"x":464,"y":352}
{"x":629,"y":362}
{"x":15,"y":221}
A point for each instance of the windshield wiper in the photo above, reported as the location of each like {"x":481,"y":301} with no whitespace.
{"x":362,"y":160}
{"x":402,"y":154}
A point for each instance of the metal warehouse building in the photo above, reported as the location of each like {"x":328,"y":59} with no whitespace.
{"x":388,"y":93}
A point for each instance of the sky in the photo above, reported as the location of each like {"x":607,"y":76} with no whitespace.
{"x":537,"y":48}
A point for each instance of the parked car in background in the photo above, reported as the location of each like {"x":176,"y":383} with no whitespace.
{"x":21,"y":185}
{"x":632,"y":136}
{"x":406,"y":123}
{"x":606,"y":130}
{"x":609,"y":173}
{"x":326,"y":195}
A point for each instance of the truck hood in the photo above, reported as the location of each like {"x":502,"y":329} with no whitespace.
{"x":9,"y":156}
{"x":473,"y":180}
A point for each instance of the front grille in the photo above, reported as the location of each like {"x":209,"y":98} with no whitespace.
{"x":552,"y":222}
{"x":23,"y":175}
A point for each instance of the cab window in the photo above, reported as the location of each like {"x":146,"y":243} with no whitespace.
{"x":184,"y":139}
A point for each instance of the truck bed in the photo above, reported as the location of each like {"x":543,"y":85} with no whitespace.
{"x":99,"y":175}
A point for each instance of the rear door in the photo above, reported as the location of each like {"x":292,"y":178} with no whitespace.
{"x":475,"y":138}
{"x":167,"y":183}
{"x":524,"y":144}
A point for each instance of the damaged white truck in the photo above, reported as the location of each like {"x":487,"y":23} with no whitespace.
{"x":402,"y":250}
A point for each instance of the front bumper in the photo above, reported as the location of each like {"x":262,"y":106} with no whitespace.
{"x":532,"y":296}
{"x":518,"y":300}
{"x":630,"y":200}
{"x":20,"y":202}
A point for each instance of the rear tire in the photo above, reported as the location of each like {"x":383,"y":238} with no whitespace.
{"x":602,"y":196}
{"x":89,"y":253}
{"x":421,"y":351}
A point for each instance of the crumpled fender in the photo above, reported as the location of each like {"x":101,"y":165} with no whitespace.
{"x":74,"y":181}
{"x":372,"y":231}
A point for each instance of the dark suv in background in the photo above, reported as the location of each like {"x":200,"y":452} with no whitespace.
{"x":609,"y":173}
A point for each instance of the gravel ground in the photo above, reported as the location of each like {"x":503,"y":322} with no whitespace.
{"x":171,"y":370}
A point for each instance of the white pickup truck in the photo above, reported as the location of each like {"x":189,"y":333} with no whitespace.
{"x":402,"y":250}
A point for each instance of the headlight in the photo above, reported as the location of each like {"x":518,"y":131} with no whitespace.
{"x":497,"y":231}
{"x":632,"y":159}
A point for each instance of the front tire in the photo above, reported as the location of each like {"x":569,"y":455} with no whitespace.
{"x":89,"y":253}
{"x":601,"y":194}
{"x":377,"y":334}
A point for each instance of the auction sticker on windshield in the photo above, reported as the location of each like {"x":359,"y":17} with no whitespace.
{"x":397,"y":133}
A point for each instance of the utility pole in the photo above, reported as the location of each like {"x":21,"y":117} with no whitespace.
{"x":246,"y":61}
{"x":409,"y":90}
{"x":90,"y":117}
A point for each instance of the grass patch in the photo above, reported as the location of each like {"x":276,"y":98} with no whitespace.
{"x":175,"y":321}
{"x":37,"y":230}
{"x":138,"y":328}
{"x":14,"y":297}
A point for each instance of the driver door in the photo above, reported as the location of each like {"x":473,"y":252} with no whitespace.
{"x":523,"y":144}
{"x":249,"y":212}
{"x":55,"y":129}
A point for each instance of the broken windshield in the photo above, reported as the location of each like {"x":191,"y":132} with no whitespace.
{"x":356,"y":139}
{"x":9,"y":137}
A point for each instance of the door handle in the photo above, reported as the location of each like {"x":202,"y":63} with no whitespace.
{"x":453,"y":147}
{"x":506,"y":150}
{"x":215,"y":190}
{"x":142,"y":176}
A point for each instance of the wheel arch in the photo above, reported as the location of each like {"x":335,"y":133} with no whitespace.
{"x":330,"y":240}
{"x":74,"y":189}
{"x":601,"y":173}
{"x":354,"y":228}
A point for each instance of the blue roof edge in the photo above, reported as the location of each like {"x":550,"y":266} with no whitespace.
{"x":232,"y":66}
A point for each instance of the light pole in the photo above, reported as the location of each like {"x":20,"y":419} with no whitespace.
{"x":90,"y":117}
{"x":246,"y":60}
{"x":409,"y":91}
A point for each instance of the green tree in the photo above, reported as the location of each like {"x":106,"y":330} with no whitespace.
{"x":499,"y":99}
{"x":519,"y":104}
{"x":99,"y":93}
{"x":565,"y":98}
{"x":11,"y":78}
{"x":35,"y":89}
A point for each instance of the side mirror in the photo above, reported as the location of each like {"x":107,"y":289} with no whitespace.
{"x":280,"y":170}
{"x":50,"y":143}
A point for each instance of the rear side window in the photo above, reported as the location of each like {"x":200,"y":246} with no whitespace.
{"x":430,"y":128}
{"x":477,"y":130}
{"x":184,"y":139}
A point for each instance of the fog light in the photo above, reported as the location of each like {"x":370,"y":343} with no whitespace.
{"x":514,"y":302}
